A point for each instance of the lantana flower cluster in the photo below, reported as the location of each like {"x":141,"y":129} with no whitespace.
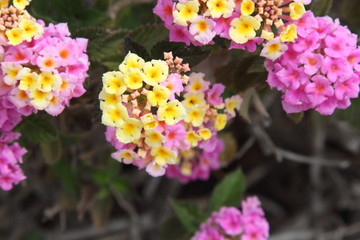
{"x":198,"y":163}
{"x":11,"y":155}
{"x":44,"y":74}
{"x":10,"y":152}
{"x":320,"y":69}
{"x":155,"y":113}
{"x":16,"y":24}
{"x":199,"y":21}
{"x":231,"y":223}
{"x":40,"y":69}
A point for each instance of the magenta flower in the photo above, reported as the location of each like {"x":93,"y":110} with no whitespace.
{"x":231,"y":223}
{"x":214,"y":94}
{"x":320,"y":69}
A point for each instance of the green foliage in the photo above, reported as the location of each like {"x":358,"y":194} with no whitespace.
{"x":351,"y":114}
{"x":134,"y":47}
{"x":226,"y":193}
{"x":135,"y":15}
{"x":242,"y":73}
{"x":189,"y":214}
{"x":229,"y":191}
{"x":51,"y":151}
{"x":74,"y":12}
{"x":191,"y":54}
{"x":68,"y":178}
{"x":174,"y":230}
{"x":296,"y":117}
{"x":321,"y":7}
{"x":37,"y":129}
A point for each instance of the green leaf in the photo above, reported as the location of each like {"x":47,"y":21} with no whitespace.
{"x":351,"y":114}
{"x":188,"y":213}
{"x":135,"y":15}
{"x":134,"y":47}
{"x":229,"y":191}
{"x":150,"y":34}
{"x":68,"y":180}
{"x":190,"y":54}
{"x":120,"y":184}
{"x":296,"y":117}
{"x":321,"y":7}
{"x":37,"y":128}
{"x":51,"y":151}
{"x":174,"y":230}
{"x":242,"y":73}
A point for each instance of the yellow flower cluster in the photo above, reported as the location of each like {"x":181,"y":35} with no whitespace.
{"x":265,"y":14}
{"x":16,"y":24}
{"x":134,"y":102}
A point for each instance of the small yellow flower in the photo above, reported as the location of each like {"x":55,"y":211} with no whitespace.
{"x":158,"y":96}
{"x":218,"y":8}
{"x":155,"y":72}
{"x":220,"y":121}
{"x":28,"y":79}
{"x":273,"y":49}
{"x":130,"y":131}
{"x":243,"y":28}
{"x":134,"y":78}
{"x":125,"y":156}
{"x":247,"y":7}
{"x":21,"y":4}
{"x":131,"y":61}
{"x":31,"y":29}
{"x":171,"y":112}
{"x":186,"y":12}
{"x":149,"y":121}
{"x":297,"y":10}
{"x":163,"y":155}
{"x":4,"y":3}
{"x":205,"y":133}
{"x":268,"y":36}
{"x":192,"y":100}
{"x":193,"y":138}
{"x":233,"y":103}
{"x":195,"y":116}
{"x":48,"y":81}
{"x":289,"y":34}
{"x":113,"y":83}
{"x":197,"y":83}
{"x":108,"y":99}
{"x":15,"y":36}
{"x":39,"y":99}
{"x":154,"y":138}
{"x":114,"y":115}
{"x":11,"y":72}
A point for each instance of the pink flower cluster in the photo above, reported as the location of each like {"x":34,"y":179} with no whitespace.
{"x":199,"y":164}
{"x":10,"y":152}
{"x":320,"y":69}
{"x":198,"y":22}
{"x":11,"y":155}
{"x":44,"y":74}
{"x":231,"y":223}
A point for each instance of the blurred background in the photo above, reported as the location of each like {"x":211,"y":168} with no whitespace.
{"x":305,"y":168}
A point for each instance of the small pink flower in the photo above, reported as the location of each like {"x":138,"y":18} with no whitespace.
{"x":312,"y":62}
{"x":179,"y":34}
{"x":164,"y":9}
{"x":214,"y":94}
